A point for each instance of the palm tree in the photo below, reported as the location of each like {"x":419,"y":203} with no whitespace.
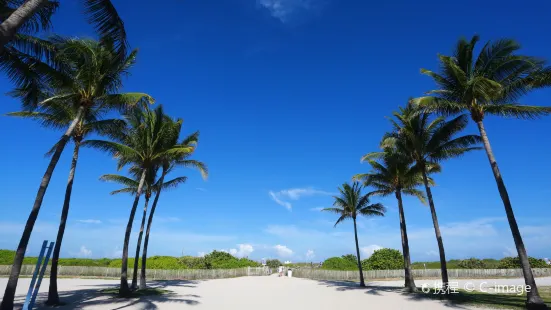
{"x":491,"y":84}
{"x":168,"y":163}
{"x":393,"y":173}
{"x":428,"y":143}
{"x":59,"y":115}
{"x":29,"y":16}
{"x":349,"y":205}
{"x":143,"y":143}
{"x":89,"y":79}
{"x":131,"y":186}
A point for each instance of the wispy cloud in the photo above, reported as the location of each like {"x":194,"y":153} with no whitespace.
{"x":281,"y":197}
{"x":367,"y":251}
{"x":310,"y":254}
{"x":280,"y":202}
{"x":283,"y":251}
{"x":285,"y":9}
{"x":89,"y":221}
{"x":84,"y":252}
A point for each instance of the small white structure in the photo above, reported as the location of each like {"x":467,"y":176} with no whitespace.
{"x":288,"y":262}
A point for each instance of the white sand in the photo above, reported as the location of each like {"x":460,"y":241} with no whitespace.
{"x":248,"y":293}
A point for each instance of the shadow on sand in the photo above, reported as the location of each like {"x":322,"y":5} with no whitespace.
{"x":94,"y":297}
{"x":378,"y":290}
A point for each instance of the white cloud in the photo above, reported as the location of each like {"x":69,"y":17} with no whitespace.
{"x":367,"y":251}
{"x":510,"y":252}
{"x":243,"y":250}
{"x":432,"y":253}
{"x":282,"y":196}
{"x":84,"y":252}
{"x":310,"y":254}
{"x":201,"y":254}
{"x":89,"y":221}
{"x":287,"y":205}
{"x":284,"y":9}
{"x":283,"y":251}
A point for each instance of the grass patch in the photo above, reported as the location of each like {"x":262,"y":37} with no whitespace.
{"x":138,"y":293}
{"x":489,"y":300}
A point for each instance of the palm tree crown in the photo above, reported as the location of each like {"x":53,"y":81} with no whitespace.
{"x":352,"y":203}
{"x":488,"y":84}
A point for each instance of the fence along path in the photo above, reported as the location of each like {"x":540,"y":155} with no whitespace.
{"x":152,"y":274}
{"x":318,"y":274}
{"x":352,"y":275}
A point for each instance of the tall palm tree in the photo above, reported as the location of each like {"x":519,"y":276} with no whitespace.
{"x":168,"y":163}
{"x":59,"y":115}
{"x":429,"y":142}
{"x":394,"y":173}
{"x":143,"y":143}
{"x":349,"y":205}
{"x":490,"y":84}
{"x":89,"y":79}
{"x":131,"y":186}
{"x":29,"y":16}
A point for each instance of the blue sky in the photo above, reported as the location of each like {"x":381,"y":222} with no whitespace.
{"x":288,"y":94}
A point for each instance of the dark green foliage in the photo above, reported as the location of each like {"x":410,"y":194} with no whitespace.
{"x":514,"y":262}
{"x":223,"y":260}
{"x":339,"y":263}
{"x":214,"y":260}
{"x":351,"y":258}
{"x":472,"y":263}
{"x":384,"y":259}
{"x":273,"y":263}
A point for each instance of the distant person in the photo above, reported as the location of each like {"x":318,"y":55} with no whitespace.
{"x":280,"y":270}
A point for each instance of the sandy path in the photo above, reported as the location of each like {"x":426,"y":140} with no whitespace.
{"x":245,"y":293}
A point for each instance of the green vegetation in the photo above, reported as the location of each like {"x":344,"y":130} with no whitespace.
{"x":274,"y":263}
{"x":384,"y":259}
{"x":514,"y":262}
{"x":214,"y":260}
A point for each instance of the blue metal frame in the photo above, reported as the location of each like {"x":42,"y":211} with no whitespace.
{"x":35,"y":283}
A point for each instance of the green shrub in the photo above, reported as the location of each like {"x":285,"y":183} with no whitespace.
{"x":339,"y":263}
{"x":351,"y":258}
{"x":472,"y":263}
{"x":384,"y":259}
{"x":514,"y":262}
{"x":192,"y":262}
{"x":273,"y":263}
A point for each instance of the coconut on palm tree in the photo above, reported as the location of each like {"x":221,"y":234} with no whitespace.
{"x":143,"y":143}
{"x":491,"y":83}
{"x":429,"y":142}
{"x":393,"y":172}
{"x":89,"y":79}
{"x":351,"y":204}
{"x":59,"y":115}
{"x":168,"y":163}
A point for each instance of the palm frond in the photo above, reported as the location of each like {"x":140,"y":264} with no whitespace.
{"x":107,"y":22}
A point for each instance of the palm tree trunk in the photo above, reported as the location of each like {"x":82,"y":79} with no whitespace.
{"x":443,"y":266}
{"x":124,"y":290}
{"x":362,"y":283}
{"x":143,"y":284}
{"x":9,"y":27}
{"x":409,"y":282}
{"x":136,"y":260}
{"x":9,"y":293}
{"x":53,"y":296}
{"x":533,"y":299}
